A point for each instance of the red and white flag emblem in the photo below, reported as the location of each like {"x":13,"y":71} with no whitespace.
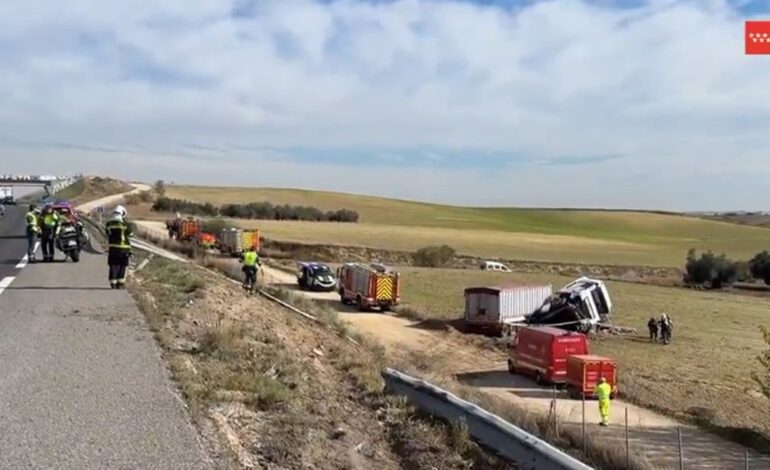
{"x":757,"y":37}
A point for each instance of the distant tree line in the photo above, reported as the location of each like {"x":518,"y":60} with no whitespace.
{"x":254,"y":210}
{"x":717,"y":271}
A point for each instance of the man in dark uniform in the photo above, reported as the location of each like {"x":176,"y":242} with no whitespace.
{"x":118,"y":240}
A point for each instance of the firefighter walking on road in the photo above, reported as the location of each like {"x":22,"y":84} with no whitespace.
{"x":119,"y":253}
{"x":49,"y":228}
{"x":603,"y":392}
{"x":33,"y":229}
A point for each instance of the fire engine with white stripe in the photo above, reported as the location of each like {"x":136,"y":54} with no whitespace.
{"x":368,"y":286}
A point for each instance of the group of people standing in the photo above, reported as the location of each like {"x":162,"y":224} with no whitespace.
{"x":45,"y":225}
{"x":660,"y":330}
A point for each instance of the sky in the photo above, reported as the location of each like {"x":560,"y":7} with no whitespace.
{"x":646,"y":104}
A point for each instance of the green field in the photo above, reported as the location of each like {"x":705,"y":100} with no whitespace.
{"x":708,"y":364}
{"x":567,"y":236}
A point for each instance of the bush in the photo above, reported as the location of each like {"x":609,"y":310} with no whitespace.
{"x":138,"y":198}
{"x":760,"y":266}
{"x":214,"y":226}
{"x":160,"y":188}
{"x":434,"y":256}
{"x":165,"y":204}
{"x":254,"y":210}
{"x":710,"y":271}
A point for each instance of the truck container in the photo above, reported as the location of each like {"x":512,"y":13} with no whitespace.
{"x":250,"y":238}
{"x":367,"y":286}
{"x":494,"y":309}
{"x":189,"y":229}
{"x":231,"y":241}
{"x":584,"y":372}
{"x":542,"y":352}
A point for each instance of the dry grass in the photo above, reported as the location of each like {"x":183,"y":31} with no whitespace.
{"x":282,"y":392}
{"x":572,"y":236}
{"x":92,"y":187}
{"x":707,"y":366}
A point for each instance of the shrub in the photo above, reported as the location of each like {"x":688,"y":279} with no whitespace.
{"x":710,"y":271}
{"x":760,"y":266}
{"x":433,"y":256}
{"x":255,"y":210}
{"x":160,"y":188}
{"x":214,"y":226}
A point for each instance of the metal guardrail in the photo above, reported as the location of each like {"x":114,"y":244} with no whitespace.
{"x":511,"y":442}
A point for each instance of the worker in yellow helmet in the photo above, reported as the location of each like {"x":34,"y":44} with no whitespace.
{"x":251,"y":263}
{"x":603,"y":392}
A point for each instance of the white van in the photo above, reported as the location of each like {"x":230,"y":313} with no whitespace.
{"x":494,"y":266}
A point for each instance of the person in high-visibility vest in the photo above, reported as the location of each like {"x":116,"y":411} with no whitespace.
{"x":119,"y":247}
{"x":33,"y":229}
{"x":49,"y":227}
{"x":250,"y":260}
{"x":603,"y":392}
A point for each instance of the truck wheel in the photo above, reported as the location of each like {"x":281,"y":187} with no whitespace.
{"x":385,"y":308}
{"x":539,"y":379}
{"x":511,"y":367}
{"x":360,"y":303}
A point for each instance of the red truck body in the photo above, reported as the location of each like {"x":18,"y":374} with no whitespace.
{"x":542,"y":352}
{"x":368,"y":286}
{"x":584,"y":371}
{"x":189,"y":230}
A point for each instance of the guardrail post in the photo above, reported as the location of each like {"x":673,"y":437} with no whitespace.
{"x":681,"y":451}
{"x":628,"y":445}
{"x":747,"y":460}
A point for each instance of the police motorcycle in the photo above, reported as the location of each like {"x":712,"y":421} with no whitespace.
{"x":71,"y":239}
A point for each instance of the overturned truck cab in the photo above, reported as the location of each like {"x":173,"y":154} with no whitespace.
{"x":581,"y":305}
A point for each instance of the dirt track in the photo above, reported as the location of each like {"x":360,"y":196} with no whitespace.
{"x":652,"y":434}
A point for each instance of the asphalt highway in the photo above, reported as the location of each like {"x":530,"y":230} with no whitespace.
{"x":82,"y":382}
{"x":13,"y":242}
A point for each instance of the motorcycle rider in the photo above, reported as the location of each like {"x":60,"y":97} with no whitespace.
{"x":33,"y":230}
{"x":49,"y":225}
{"x":118,"y":239}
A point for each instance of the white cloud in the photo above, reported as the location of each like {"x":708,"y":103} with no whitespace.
{"x":667,"y":86}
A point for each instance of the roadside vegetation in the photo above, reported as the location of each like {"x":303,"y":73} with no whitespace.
{"x":254,"y":210}
{"x":89,"y":188}
{"x":272,"y":389}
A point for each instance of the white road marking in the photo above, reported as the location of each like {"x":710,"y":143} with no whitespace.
{"x":5,"y":283}
{"x":25,"y":260}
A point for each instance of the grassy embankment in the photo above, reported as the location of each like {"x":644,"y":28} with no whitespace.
{"x":566,"y":236}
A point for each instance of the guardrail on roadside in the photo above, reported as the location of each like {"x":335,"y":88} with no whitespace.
{"x":493,"y":432}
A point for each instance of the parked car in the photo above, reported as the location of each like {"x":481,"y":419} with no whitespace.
{"x":316,"y":276}
{"x":495,"y":266}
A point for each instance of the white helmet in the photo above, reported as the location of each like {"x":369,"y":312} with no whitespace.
{"x":120,"y":211}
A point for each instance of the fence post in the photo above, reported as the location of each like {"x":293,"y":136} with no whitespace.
{"x":555,"y":416}
{"x":681,"y":452}
{"x":628,"y":445}
{"x":747,"y":460}
{"x":585,"y":437}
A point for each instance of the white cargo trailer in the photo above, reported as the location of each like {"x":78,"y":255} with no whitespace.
{"x":496,"y":309}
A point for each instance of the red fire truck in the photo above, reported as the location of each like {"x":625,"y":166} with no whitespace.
{"x":368,"y":285}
